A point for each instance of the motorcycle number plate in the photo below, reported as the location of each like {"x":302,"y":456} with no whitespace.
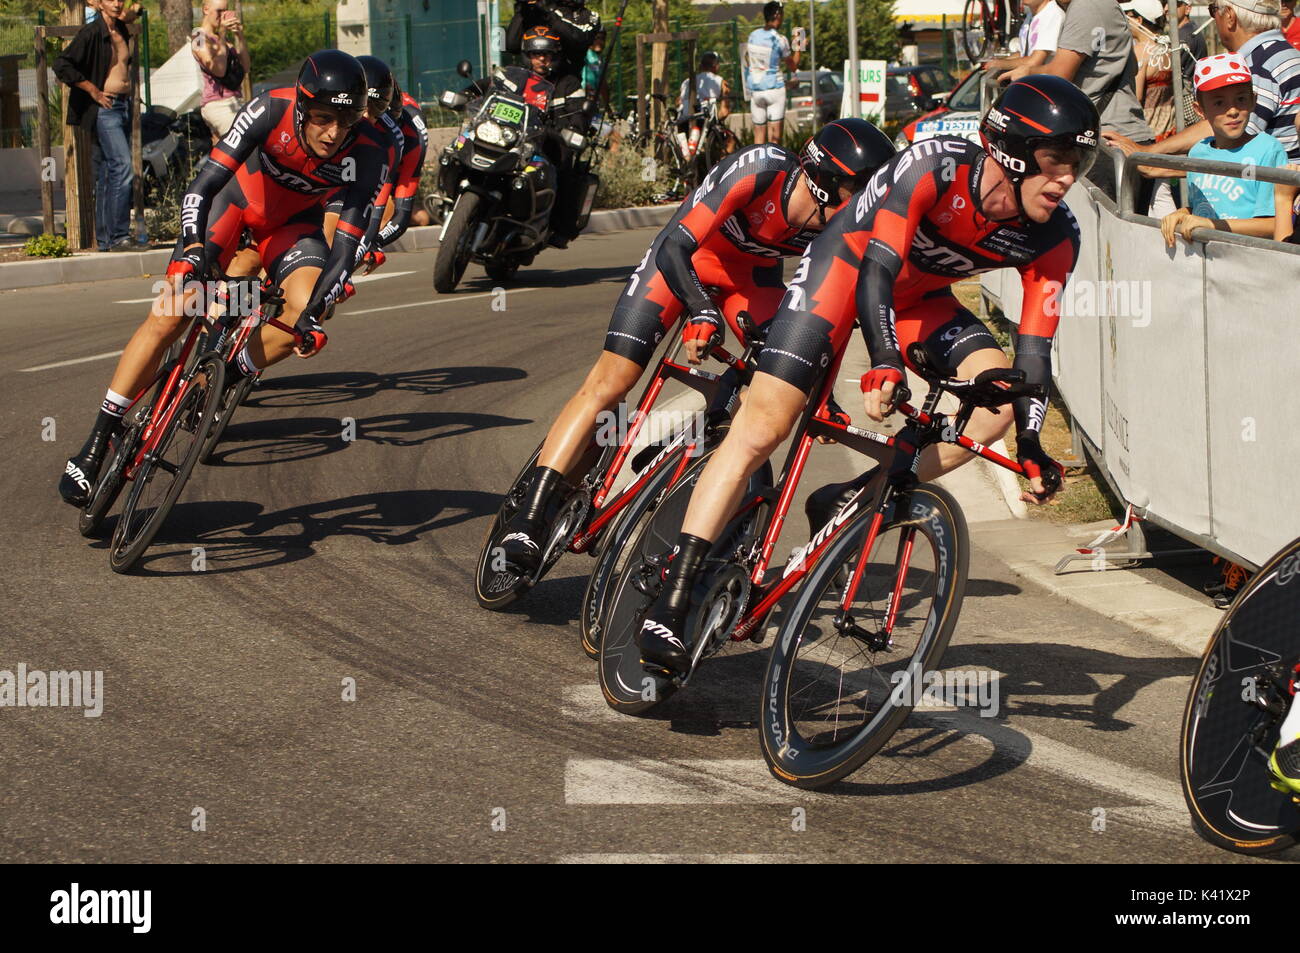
{"x":507,"y":112}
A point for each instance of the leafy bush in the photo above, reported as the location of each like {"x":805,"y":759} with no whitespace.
{"x":623,"y":180}
{"x":47,"y":246}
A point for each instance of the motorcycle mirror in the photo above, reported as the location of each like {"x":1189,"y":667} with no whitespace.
{"x":465,"y":68}
{"x":453,"y":100}
{"x":574,"y":140}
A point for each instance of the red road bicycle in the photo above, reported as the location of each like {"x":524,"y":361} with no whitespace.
{"x":879,"y":587}
{"x":987,"y":27}
{"x":177,"y":419}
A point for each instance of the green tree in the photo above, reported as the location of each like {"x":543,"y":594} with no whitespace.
{"x":877,"y":35}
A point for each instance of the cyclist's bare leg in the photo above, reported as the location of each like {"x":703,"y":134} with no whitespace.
{"x":271,"y":345}
{"x":167,"y":318}
{"x":760,"y":132}
{"x":607,"y":384}
{"x":985,"y":426}
{"x":775,"y":130}
{"x":331,"y":222}
{"x":769,"y":412}
{"x":245,"y":264}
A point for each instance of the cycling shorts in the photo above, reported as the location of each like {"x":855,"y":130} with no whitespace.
{"x":284,"y":247}
{"x":767,"y":105}
{"x":647,"y":309}
{"x":801,"y":346}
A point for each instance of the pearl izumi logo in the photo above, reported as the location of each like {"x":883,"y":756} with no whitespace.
{"x":77,"y":906}
{"x":33,"y":688}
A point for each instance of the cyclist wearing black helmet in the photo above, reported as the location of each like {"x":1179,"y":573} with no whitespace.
{"x":406,"y":112}
{"x":943,"y":210}
{"x":571,"y":21}
{"x":754,"y":208}
{"x":285,"y":153}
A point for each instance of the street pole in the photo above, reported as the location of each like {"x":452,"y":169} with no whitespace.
{"x":812,"y":58}
{"x":1176,"y":63}
{"x":855,"y":94}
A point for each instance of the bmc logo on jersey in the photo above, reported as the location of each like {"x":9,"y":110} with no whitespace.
{"x":242,"y":122}
{"x":1006,"y":161}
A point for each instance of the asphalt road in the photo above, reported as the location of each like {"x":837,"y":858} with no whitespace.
{"x":476,"y":736}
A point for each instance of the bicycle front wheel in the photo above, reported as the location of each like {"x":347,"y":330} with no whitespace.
{"x":836,"y":689}
{"x":1233,"y":713}
{"x":976,"y":19}
{"x":162,"y":474}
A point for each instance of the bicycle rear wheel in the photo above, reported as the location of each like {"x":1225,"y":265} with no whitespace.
{"x":976,"y":19}
{"x":1227,"y":734}
{"x":832,"y":695}
{"x":174,"y":455}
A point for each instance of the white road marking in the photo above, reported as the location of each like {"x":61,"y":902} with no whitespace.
{"x":76,"y":360}
{"x":449,"y":299}
{"x":136,"y":300}
{"x":379,"y":276}
{"x":698,"y":781}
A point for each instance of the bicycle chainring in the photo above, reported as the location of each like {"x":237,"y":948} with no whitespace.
{"x":721,"y":609}
{"x":568,"y":521}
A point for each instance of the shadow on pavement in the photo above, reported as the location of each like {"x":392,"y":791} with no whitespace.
{"x":547,"y":278}
{"x":313,"y":390}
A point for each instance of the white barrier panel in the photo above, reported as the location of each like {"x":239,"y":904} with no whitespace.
{"x":1254,"y":352}
{"x":1153,"y":373}
{"x":1076,"y":348}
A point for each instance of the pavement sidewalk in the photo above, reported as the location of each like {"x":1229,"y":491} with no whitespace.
{"x":102,"y":266}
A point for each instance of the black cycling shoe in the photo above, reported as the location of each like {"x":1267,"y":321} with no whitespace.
{"x":82,"y":471}
{"x":522,"y":545}
{"x":825,"y":502}
{"x":662,"y":649}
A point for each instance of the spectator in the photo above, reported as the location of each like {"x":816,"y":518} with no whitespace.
{"x":218,"y":45}
{"x":1038,"y":34}
{"x":97,"y":67}
{"x":1189,"y":36}
{"x":571,"y":20}
{"x":709,"y":87}
{"x":591,"y":68}
{"x":1244,"y":206}
{"x":1290,"y":25}
{"x":766,"y":53}
{"x":1252,"y":30}
{"x":1154,"y":81}
{"x":1095,"y":52}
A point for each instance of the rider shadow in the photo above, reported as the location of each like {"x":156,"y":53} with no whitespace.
{"x":551,"y":278}
{"x":259,"y":442}
{"x":336,"y":387}
{"x":238,"y":536}
{"x":554,"y":601}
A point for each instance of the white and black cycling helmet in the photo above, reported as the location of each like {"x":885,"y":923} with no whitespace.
{"x":843,"y":154}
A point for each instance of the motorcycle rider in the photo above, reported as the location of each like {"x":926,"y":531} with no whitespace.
{"x":572,"y":23}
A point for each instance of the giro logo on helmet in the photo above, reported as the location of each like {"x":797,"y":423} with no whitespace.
{"x":1007,"y":161}
{"x":343,"y":100}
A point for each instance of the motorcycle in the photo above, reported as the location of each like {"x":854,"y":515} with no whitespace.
{"x":171,"y":148}
{"x":498,"y":186}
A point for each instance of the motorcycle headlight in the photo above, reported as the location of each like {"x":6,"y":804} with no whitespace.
{"x":509,"y":134}
{"x":490,"y":133}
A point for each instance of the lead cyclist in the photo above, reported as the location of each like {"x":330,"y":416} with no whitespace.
{"x":943,"y":210}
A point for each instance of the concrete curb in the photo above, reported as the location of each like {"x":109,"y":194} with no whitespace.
{"x":102,"y":266}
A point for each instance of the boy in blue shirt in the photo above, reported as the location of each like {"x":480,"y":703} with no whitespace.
{"x":1225,"y":97}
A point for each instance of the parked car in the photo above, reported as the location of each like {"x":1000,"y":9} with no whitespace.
{"x":959,"y":115}
{"x":799,"y":96}
{"x":911,"y":91}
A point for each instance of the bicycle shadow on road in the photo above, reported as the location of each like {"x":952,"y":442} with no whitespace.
{"x":238,"y":536}
{"x":548,"y":278}
{"x":260,"y":442}
{"x":336,"y":387}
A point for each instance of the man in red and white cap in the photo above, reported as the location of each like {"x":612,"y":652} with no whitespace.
{"x":1225,"y":99}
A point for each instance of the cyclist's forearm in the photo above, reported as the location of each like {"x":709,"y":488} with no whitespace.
{"x":674,"y":262}
{"x":397,"y":225}
{"x":1034,"y":357}
{"x":875,"y":304}
{"x":211,"y":179}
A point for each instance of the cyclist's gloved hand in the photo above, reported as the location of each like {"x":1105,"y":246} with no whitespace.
{"x":374,"y":259}
{"x":1043,"y":473}
{"x":313,"y":335}
{"x":879,"y":386}
{"x":700,"y":330}
{"x":192,"y":263}
{"x":349,"y":289}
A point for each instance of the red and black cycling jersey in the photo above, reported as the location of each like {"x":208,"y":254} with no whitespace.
{"x":915,"y":229}
{"x":414,"y":146}
{"x":740,"y":212}
{"x":279,"y":180}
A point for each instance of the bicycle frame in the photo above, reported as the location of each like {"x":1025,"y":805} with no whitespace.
{"x":706,"y":383}
{"x":902,"y":451}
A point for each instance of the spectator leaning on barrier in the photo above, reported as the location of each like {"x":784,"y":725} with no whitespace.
{"x":1038,"y":35}
{"x":222,"y":54}
{"x":1244,"y":206}
{"x":1095,"y":52}
{"x":1252,"y":30}
{"x":97,"y":65}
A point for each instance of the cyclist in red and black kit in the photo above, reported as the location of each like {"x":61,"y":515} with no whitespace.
{"x":943,"y":210}
{"x":286,"y":152}
{"x":406,"y":112}
{"x":719,"y":255}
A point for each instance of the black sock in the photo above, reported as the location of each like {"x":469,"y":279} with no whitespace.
{"x":545,"y":482}
{"x":683,"y":569}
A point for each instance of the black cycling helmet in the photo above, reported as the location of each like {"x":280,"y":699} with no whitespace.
{"x":330,"y":79}
{"x":395,"y":104}
{"x":771,"y":9}
{"x":844,"y":153}
{"x":379,"y":82}
{"x":1034,"y":112}
{"x":709,"y":57}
